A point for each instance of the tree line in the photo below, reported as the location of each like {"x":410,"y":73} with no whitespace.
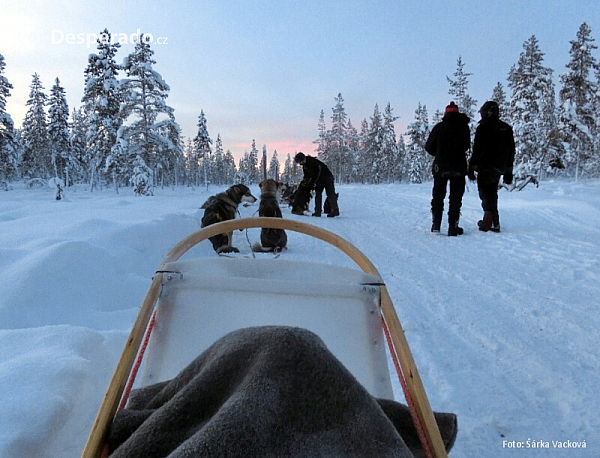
{"x":125,"y":134}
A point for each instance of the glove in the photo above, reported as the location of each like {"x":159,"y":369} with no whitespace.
{"x":471,"y":175}
{"x":508,"y":178}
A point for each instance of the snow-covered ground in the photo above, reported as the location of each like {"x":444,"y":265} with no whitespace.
{"x":503,"y":327}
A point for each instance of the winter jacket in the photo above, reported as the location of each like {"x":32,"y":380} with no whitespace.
{"x":493,"y":147}
{"x":448,"y":142}
{"x":315,"y":172}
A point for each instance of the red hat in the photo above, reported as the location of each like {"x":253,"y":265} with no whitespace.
{"x":452,"y":108}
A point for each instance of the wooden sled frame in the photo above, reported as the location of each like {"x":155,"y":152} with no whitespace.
{"x":414,"y":386}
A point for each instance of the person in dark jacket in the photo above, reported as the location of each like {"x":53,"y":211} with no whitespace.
{"x":317,"y":176}
{"x":449,"y":141}
{"x":493,"y":156}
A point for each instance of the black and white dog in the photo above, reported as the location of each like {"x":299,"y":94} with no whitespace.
{"x":223,"y":207}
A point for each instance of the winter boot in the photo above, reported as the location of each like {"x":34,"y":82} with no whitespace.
{"x":495,"y":222}
{"x":436,"y":222}
{"x":437,"y":210}
{"x":316,"y":214}
{"x":454,"y":229}
{"x":333,"y":213}
{"x":485,"y":224}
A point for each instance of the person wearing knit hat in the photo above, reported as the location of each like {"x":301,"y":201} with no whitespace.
{"x":451,"y":108}
{"x":449,"y":142}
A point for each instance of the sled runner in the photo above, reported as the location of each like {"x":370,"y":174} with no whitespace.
{"x":193,"y":302}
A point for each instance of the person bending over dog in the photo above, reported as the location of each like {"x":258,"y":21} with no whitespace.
{"x":317,"y":176}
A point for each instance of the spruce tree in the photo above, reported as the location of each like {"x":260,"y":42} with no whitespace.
{"x":417,"y":163}
{"x":263,"y":165}
{"x":78,"y":170}
{"x":321,"y":141}
{"x":460,"y":91}
{"x":337,"y":151}
{"x":373,"y":151}
{"x":149,"y":129}
{"x":230,"y":169}
{"x":274,"y":167}
{"x":36,"y":160}
{"x":8,"y":150}
{"x":389,"y":147}
{"x":202,"y":151}
{"x":58,"y":131}
{"x":532,"y":110}
{"x":577,"y":110}
{"x":102,"y":102}
{"x":252,"y":164}
{"x":218,"y":166}
{"x":499,"y":96}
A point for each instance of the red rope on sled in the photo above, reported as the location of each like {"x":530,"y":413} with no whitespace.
{"x":409,"y":399}
{"x":138,"y":363}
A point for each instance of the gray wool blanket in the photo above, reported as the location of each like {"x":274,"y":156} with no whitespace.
{"x":266,"y":392}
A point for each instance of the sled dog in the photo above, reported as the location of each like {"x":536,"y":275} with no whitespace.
{"x":270,"y":239}
{"x":223,"y":207}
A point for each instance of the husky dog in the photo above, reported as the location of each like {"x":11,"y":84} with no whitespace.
{"x":223,"y":207}
{"x":301,"y":197}
{"x":270,"y":239}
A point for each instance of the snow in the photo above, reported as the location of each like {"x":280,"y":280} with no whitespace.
{"x":503,"y":327}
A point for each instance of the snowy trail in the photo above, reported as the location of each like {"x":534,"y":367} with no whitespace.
{"x":503,"y":327}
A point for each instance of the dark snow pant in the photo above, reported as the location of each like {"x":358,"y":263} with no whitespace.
{"x":487,"y":186}
{"x":329,"y":187}
{"x":457,"y":189}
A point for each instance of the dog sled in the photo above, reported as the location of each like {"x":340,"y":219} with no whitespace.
{"x":192,"y":303}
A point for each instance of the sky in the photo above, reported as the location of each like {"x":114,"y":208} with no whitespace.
{"x":264,"y":70}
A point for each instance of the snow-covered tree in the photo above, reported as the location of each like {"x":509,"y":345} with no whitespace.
{"x":291,"y":171}
{"x":102,"y":102}
{"x":321,"y":141}
{"x":202,"y":151}
{"x":579,"y":119}
{"x":36,"y":161}
{"x":532,"y":110}
{"x":353,"y":141}
{"x":58,"y":131}
{"x":373,"y":152}
{"x":8,"y":151}
{"x":390,"y":156}
{"x":230,"y":169}
{"x":459,"y":89}
{"x":77,"y":168}
{"x":149,"y":129}
{"x":263,"y":164}
{"x":499,"y":96}
{"x":218,"y":165}
{"x":252,"y":164}
{"x":141,"y":178}
{"x":337,"y":152}
{"x":274,"y":167}
{"x":417,"y":162}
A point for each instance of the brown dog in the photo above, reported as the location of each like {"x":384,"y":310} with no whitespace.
{"x":223,"y":207}
{"x":270,"y":239}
